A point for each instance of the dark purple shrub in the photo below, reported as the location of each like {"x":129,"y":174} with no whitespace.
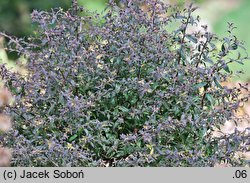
{"x":134,"y":87}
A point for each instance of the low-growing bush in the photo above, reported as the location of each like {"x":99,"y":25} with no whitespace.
{"x":136,"y":86}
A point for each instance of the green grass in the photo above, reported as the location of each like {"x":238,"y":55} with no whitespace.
{"x":241,"y":18}
{"x":96,"y":5}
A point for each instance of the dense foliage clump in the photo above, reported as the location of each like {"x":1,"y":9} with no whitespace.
{"x":136,"y":86}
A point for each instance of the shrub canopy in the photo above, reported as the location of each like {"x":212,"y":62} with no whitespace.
{"x":136,"y":86}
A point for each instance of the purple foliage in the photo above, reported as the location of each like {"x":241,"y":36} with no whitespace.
{"x":131,"y":87}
